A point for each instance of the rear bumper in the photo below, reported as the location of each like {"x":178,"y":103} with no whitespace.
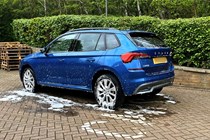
{"x":149,"y":87}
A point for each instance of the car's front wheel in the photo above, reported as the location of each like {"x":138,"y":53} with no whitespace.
{"x":108,"y":92}
{"x":29,"y":81}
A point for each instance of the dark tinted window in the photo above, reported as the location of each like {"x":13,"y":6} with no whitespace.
{"x":87,"y":42}
{"x":62,"y":44}
{"x":147,"y":40}
{"x":111,"y":41}
{"x":101,"y":43}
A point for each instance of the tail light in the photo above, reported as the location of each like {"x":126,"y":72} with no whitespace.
{"x":128,"y":57}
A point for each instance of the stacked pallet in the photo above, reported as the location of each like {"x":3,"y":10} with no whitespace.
{"x":12,"y":53}
{"x":2,"y":44}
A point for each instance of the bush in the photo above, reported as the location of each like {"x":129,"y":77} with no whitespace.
{"x":39,"y":31}
{"x":189,"y":38}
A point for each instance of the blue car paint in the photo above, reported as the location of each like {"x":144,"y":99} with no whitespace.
{"x":75,"y":70}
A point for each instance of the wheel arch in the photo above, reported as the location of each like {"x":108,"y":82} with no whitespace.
{"x":102,"y":72}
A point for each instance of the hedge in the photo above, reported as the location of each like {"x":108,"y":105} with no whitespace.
{"x":188,"y":38}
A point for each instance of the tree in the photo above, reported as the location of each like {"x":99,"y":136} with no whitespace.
{"x":5,"y":20}
{"x":44,"y":5}
{"x":165,"y":9}
{"x":138,"y":7}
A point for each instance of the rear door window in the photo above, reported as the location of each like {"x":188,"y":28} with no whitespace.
{"x":87,"y":42}
{"x":147,"y":40}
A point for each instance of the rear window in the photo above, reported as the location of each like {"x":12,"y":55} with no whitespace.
{"x":147,"y":40}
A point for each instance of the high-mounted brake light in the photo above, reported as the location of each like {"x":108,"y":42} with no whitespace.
{"x":128,"y":57}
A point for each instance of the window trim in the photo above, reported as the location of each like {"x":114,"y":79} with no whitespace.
{"x":73,"y":45}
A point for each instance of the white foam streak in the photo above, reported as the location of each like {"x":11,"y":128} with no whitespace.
{"x":55,"y":103}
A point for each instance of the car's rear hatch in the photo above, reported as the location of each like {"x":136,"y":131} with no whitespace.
{"x":153,"y":55}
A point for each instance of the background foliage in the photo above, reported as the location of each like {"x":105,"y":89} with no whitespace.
{"x":163,"y":9}
{"x":189,"y":38}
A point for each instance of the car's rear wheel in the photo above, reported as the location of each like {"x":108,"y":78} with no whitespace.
{"x":108,"y":92}
{"x":29,"y":81}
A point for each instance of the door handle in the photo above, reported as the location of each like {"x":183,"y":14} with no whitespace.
{"x":90,"y":59}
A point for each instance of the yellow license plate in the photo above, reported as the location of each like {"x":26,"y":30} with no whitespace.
{"x":159,"y":60}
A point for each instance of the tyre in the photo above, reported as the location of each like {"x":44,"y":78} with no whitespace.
{"x":29,"y":81}
{"x":108,"y":92}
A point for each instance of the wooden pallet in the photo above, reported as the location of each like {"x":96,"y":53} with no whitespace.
{"x":10,"y":67}
{"x":12,"y":53}
{"x":10,"y":64}
{"x":2,"y":44}
{"x":15,"y":53}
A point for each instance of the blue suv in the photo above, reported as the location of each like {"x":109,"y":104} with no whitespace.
{"x":110,"y":63}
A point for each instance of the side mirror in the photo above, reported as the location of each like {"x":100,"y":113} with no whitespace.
{"x":43,"y":50}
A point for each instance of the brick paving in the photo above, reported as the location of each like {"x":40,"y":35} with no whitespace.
{"x":189,"y":118}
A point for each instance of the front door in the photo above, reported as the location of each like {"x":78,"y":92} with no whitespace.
{"x":53,"y":63}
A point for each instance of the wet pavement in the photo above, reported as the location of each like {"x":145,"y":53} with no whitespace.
{"x":176,"y":113}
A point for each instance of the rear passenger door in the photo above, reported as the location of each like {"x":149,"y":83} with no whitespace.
{"x":88,"y":49}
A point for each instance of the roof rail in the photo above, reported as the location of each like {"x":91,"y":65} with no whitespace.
{"x":95,"y":28}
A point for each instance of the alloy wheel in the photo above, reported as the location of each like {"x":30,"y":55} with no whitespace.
{"x":106,"y":93}
{"x":28,"y":80}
